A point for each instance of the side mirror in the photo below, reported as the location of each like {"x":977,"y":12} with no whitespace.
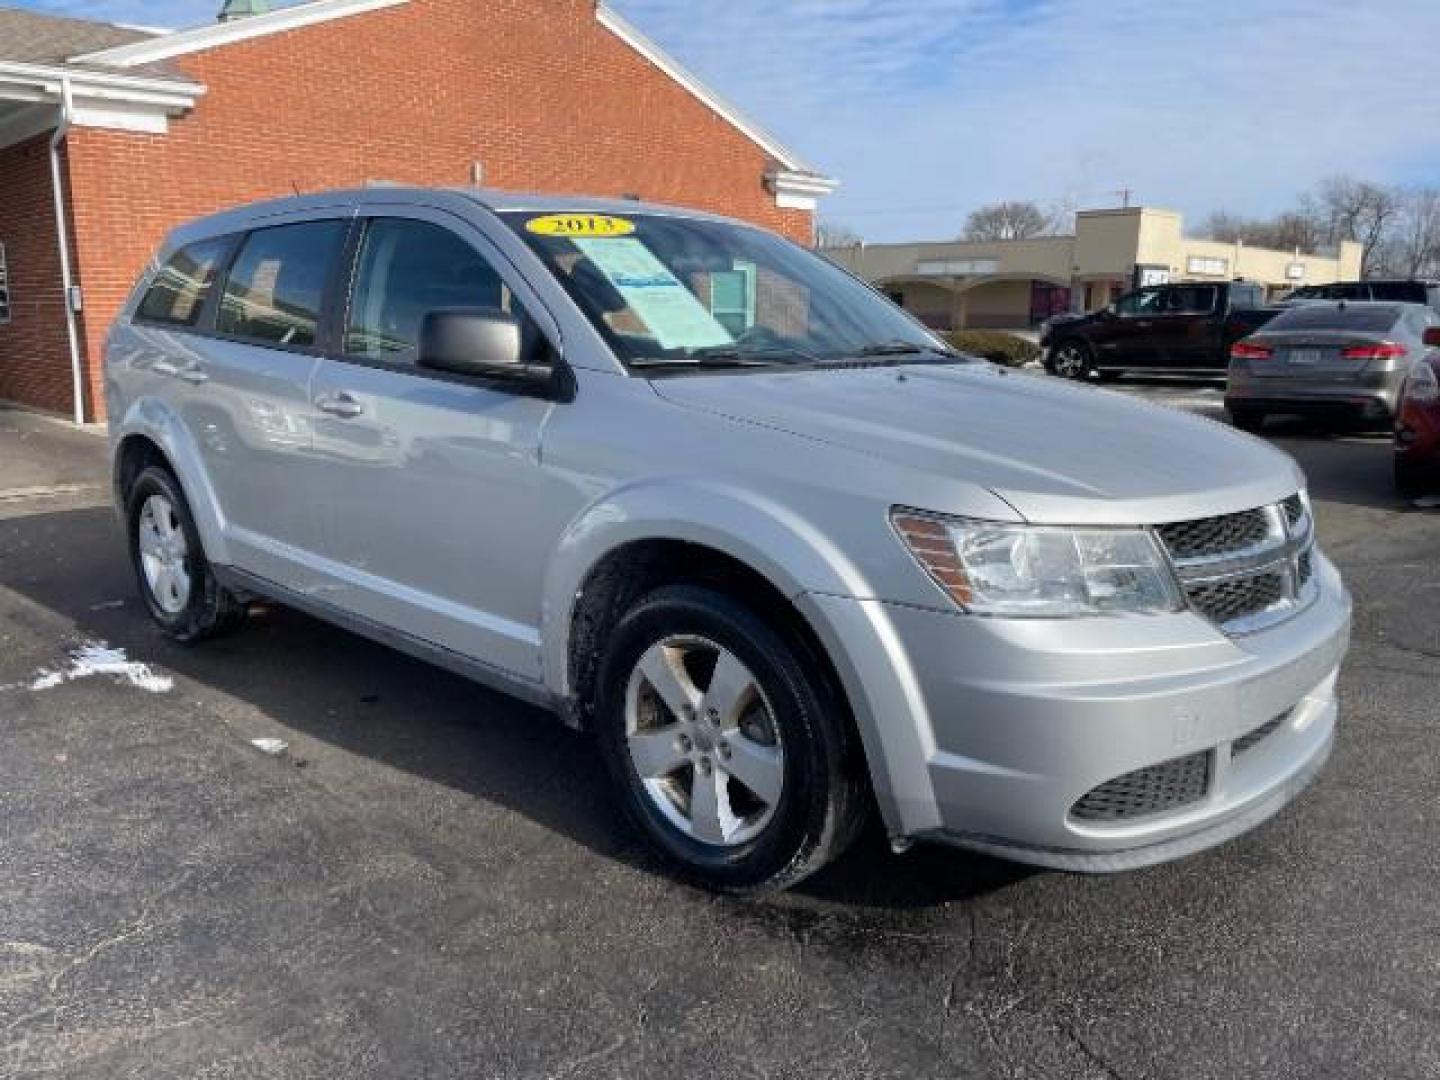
{"x":1432,"y":337}
{"x":484,"y":343}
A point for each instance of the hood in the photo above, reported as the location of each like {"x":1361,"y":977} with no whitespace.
{"x":1057,"y":452}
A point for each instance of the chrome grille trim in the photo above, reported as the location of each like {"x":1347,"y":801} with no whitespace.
{"x":1265,"y":577}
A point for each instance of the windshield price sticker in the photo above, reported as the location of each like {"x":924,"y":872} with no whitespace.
{"x":580,"y":225}
{"x":670,"y":311}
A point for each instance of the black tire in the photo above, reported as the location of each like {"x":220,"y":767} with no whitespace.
{"x":1410,"y":478}
{"x":211,"y":610}
{"x":1070,"y":359}
{"x":1251,"y":420}
{"x":823,"y":801}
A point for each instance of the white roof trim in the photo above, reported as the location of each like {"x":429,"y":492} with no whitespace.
{"x":621,"y":28}
{"x":47,"y":80}
{"x":228,"y":33}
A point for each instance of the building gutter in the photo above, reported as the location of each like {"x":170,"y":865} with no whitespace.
{"x":62,"y":235}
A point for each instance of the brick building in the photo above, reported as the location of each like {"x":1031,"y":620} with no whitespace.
{"x":140,"y":130}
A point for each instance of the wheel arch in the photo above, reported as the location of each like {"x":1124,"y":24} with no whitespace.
{"x":152,"y":434}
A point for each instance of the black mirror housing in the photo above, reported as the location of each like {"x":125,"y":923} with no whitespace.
{"x":483,"y":343}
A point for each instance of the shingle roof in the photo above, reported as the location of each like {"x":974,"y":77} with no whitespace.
{"x":30,"y":38}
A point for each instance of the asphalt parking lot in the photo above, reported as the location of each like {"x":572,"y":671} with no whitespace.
{"x":432,"y":881}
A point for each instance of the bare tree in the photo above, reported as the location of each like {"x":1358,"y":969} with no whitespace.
{"x":1007,"y":221}
{"x":1285,"y":232}
{"x":832,"y":234}
{"x":1359,"y":211}
{"x":1413,"y":249}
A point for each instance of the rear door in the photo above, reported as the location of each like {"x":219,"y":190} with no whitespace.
{"x":247,"y":374}
{"x":430,"y":485}
{"x":1188,"y":328}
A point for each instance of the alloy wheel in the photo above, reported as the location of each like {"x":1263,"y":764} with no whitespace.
{"x":164,"y":555}
{"x":703,"y":740}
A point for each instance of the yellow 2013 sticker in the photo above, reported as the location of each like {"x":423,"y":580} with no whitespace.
{"x":580,"y":225}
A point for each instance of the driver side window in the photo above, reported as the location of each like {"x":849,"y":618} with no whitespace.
{"x":1142,"y":302}
{"x":406,"y":269}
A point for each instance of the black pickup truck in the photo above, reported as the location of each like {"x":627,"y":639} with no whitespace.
{"x":1184,"y":329}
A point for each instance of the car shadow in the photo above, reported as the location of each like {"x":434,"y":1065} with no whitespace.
{"x":364,"y":699}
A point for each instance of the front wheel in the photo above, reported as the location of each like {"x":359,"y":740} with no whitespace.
{"x":1070,"y":360}
{"x":731,"y":752}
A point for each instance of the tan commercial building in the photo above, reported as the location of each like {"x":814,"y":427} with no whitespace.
{"x":1012,"y":284}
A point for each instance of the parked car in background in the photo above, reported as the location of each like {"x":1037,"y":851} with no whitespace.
{"x":1339,"y":361}
{"x":1399,"y":290}
{"x":1184,"y":329}
{"x":1417,"y":428}
{"x":778,"y":549}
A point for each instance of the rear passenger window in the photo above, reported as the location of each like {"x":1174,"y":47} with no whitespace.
{"x":406,"y":269}
{"x":177,"y":295}
{"x":274,"y":291}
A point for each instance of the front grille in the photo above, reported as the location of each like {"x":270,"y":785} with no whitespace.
{"x":1208,"y":537}
{"x":1256,"y":737}
{"x":1244,"y":570}
{"x":1236,"y":598}
{"x":1152,"y":790}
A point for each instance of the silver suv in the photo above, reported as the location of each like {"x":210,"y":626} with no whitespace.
{"x":782,"y":551}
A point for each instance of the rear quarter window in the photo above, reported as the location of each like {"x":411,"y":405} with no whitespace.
{"x":275,"y":289}
{"x":177,"y":295}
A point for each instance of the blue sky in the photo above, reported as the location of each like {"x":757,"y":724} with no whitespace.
{"x":926,"y":108}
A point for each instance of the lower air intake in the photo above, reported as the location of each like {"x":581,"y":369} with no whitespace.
{"x":1152,"y":790}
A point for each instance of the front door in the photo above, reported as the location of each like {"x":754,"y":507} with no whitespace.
{"x":431,"y":483}
{"x":1125,"y":338}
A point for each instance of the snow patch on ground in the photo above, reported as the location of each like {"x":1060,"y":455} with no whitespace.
{"x":92,"y":658}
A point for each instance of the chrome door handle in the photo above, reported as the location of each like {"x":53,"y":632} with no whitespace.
{"x":190,"y":373}
{"x":341,"y":405}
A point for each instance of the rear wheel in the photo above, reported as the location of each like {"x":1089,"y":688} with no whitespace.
{"x":1251,"y":420}
{"x":731,"y":753}
{"x":1410,"y":479}
{"x":1071,"y":360}
{"x":176,"y":581}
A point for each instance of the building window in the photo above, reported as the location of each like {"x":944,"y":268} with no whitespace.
{"x":275,"y":288}
{"x":177,"y":295}
{"x":4,"y":288}
{"x":957,"y":267}
{"x":1205,"y":264}
{"x":732,"y":298}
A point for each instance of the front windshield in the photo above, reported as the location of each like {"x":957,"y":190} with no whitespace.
{"x":669,"y":290}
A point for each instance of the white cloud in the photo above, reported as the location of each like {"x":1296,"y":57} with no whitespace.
{"x":948,"y":103}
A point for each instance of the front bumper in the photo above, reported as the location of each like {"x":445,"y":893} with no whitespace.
{"x":994,"y":729}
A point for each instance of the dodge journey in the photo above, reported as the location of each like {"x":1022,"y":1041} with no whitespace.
{"x":790,"y":559}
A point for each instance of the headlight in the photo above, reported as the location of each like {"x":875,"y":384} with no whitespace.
{"x":1040,"y":571}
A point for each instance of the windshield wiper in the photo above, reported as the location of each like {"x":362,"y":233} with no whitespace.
{"x":723,"y":356}
{"x":903,"y":348}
